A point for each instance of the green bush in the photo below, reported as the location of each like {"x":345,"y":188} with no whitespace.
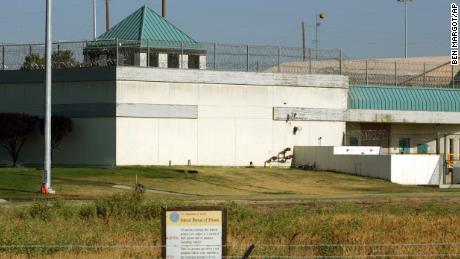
{"x":40,"y":210}
{"x":238,"y":212}
{"x":87,"y":211}
{"x":120,"y":205}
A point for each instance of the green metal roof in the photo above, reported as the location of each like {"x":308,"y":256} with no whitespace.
{"x":403,"y":98}
{"x":146,"y":27}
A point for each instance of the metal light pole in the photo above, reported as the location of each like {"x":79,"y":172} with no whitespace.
{"x":163,"y":8}
{"x":303,"y":41}
{"x":405,"y":25}
{"x":94,"y":20}
{"x":46,"y":187}
{"x":107,"y":15}
{"x":319,"y":17}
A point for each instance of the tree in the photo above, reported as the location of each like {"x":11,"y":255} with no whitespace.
{"x":61,"y":126}
{"x":64,"y":59}
{"x":14,"y":130}
{"x":33,"y":62}
{"x":59,"y":59}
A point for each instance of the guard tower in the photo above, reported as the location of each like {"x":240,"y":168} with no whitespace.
{"x":146,"y":39}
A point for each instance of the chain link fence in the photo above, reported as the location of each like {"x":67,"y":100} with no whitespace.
{"x":236,"y":250}
{"x":232,"y":57}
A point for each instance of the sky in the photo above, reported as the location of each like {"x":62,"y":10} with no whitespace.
{"x":362,"y":28}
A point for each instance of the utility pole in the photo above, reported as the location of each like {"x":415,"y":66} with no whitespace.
{"x":316,"y":36}
{"x":94,"y":20}
{"x":303,"y":42}
{"x":405,"y":25}
{"x":107,"y":15}
{"x":163,"y":9}
{"x":318,"y":18}
{"x":46,"y":183}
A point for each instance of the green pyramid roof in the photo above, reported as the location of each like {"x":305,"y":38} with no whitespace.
{"x":149,"y":28}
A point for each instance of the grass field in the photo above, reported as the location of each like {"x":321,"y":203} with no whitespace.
{"x":211,"y":183}
{"x":280,"y":210}
{"x":127,"y":226}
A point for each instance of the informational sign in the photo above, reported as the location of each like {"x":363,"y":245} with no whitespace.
{"x":194,"y":232}
{"x":356,"y":150}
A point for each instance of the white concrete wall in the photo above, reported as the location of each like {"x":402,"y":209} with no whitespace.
{"x":456,"y":176}
{"x":389,"y":116}
{"x":416,"y":169}
{"x":376,"y":166}
{"x":235,"y":116}
{"x":92,"y":143}
{"x":203,"y":63}
{"x":162,"y":60}
{"x":401,"y":169}
{"x":183,"y":61}
{"x":140,"y":59}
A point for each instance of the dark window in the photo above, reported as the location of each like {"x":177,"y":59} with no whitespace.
{"x":404,"y":145}
{"x":422,"y":149}
{"x":354,"y":141}
{"x":153,"y":59}
{"x":173,"y":60}
{"x":193,"y":62}
{"x":126,"y":56}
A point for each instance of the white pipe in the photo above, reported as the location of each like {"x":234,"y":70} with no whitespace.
{"x":47,"y":158}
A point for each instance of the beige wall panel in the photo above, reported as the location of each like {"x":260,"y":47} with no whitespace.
{"x":137,"y":141}
{"x":177,"y":141}
{"x":216,"y":142}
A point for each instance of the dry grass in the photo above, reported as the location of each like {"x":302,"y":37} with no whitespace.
{"x":314,"y":223}
{"x":211,"y":183}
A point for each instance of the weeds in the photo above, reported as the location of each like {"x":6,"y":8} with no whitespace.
{"x":130,"y":219}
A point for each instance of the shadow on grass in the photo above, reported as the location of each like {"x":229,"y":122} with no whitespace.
{"x":18,"y":190}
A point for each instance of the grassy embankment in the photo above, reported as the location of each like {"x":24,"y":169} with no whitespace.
{"x":130,"y":220}
{"x":211,"y":183}
{"x":327,"y":208}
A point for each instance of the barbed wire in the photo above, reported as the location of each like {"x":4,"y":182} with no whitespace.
{"x":242,"y":57}
{"x":242,"y":247}
{"x":230,"y":245}
{"x":352,"y":256}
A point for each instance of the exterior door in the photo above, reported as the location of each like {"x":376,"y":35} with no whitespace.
{"x":404,"y":145}
{"x":422,"y":149}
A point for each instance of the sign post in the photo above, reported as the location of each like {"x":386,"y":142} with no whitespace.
{"x":194,"y":232}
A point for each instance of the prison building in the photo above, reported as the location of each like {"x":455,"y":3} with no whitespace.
{"x":146,"y":39}
{"x":158,"y":103}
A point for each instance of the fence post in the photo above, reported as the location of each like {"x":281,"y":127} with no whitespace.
{"x":116,"y":54}
{"x":367,"y":72}
{"x":424,"y":74}
{"x":340,"y":61}
{"x":446,"y":157}
{"x":214,"y":56}
{"x":3,"y":57}
{"x":309,"y":59}
{"x":148,"y":54}
{"x":248,"y":251}
{"x":396,"y":73}
{"x":279,"y":59}
{"x":181,"y":55}
{"x":86,"y":58}
{"x":247,"y":58}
